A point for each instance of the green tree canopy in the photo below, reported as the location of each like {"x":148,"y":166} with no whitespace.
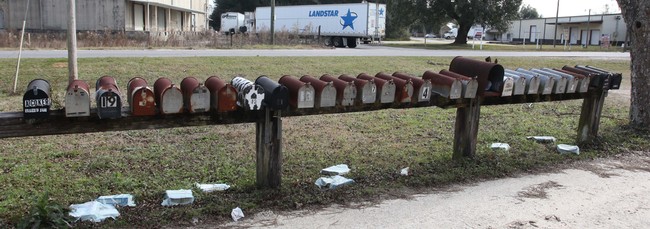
{"x":528,"y":12}
{"x":495,"y":14}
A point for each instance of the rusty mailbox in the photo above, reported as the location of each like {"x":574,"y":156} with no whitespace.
{"x":583,"y":81}
{"x":615,"y":79}
{"x":595,"y":80}
{"x":488,"y":75}
{"x":561,"y":82}
{"x":366,"y":89}
{"x":545,"y":83}
{"x":37,"y":100}
{"x":301,"y":94}
{"x":169,"y":97}
{"x":346,"y":92}
{"x":385,"y":88}
{"x":470,"y":85}
{"x":77,"y":99}
{"x":142,"y":101}
{"x":108,"y":98}
{"x":518,"y":83}
{"x":276,"y":95}
{"x":571,"y":81}
{"x":223,"y":96}
{"x":532,"y":81}
{"x":196,"y":97}
{"x":403,"y":88}
{"x":445,"y":86}
{"x":250,"y":96}
{"x":421,"y":87}
{"x":325,"y":92}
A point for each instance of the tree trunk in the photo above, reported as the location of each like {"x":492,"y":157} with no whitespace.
{"x":637,"y":17}
{"x":463,"y":29}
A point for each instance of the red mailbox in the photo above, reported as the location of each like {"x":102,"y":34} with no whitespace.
{"x":385,"y":88}
{"x":488,"y":75}
{"x":403,"y":88}
{"x":470,"y":85}
{"x":325,"y":91}
{"x":223,"y":96}
{"x":366,"y":89}
{"x":301,"y":94}
{"x":196,"y":97}
{"x":346,"y":92}
{"x":421,"y":87}
{"x":140,"y":97}
{"x":169,"y":97}
{"x":445,"y":86}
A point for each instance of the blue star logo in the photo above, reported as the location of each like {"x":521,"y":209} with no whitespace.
{"x":381,"y":12}
{"x":348,"y":20}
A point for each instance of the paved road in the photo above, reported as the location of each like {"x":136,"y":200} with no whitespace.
{"x":363,"y":50}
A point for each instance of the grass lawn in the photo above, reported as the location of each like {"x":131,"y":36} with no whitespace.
{"x":80,"y":167}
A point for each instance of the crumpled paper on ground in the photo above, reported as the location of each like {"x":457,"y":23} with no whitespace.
{"x":212,"y":187}
{"x":93,"y":211}
{"x":333,"y":182}
{"x":178,"y":197}
{"x":498,"y":145}
{"x":565,"y":149}
{"x":542,"y":139}
{"x":237,"y":214}
{"x":117,"y":200}
{"x":341,"y":169}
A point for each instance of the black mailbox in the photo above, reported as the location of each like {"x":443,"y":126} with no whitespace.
{"x":37,"y":100}
{"x":107,"y":96}
{"x":597,"y":80}
{"x":276,"y":95}
{"x":614,"y":80}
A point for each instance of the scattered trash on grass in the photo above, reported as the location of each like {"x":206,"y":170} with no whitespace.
{"x":93,"y":211}
{"x":341,"y":169}
{"x":117,"y":200}
{"x":178,"y":197}
{"x":565,"y":149}
{"x":237,"y":214}
{"x":404,"y":171}
{"x":542,"y":139}
{"x":212,"y":187}
{"x":333,"y":182}
{"x":503,"y":146}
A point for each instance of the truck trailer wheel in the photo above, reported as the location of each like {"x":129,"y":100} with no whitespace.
{"x":352,"y":42}
{"x":327,"y":41}
{"x":337,"y":41}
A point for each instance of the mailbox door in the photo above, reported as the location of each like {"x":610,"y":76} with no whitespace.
{"x":142,"y":102}
{"x":388,"y":93}
{"x":424,"y":94}
{"x":508,"y":86}
{"x":456,"y":90}
{"x":470,"y":88}
{"x":109,"y":104}
{"x":572,"y":84}
{"x":77,"y":103}
{"x":328,"y":96}
{"x":199,"y":100}
{"x":349,"y":95}
{"x":584,"y":85}
{"x":520,"y":86}
{"x":560,"y":85}
{"x":546,"y":83}
{"x":251,"y":97}
{"x":171,"y":101}
{"x":369,"y":93}
{"x":306,"y":96}
{"x":407,"y":94}
{"x":226,"y":99}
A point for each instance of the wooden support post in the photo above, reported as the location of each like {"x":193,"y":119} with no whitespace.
{"x":592,"y":107}
{"x":466,"y":130}
{"x":269,"y":150}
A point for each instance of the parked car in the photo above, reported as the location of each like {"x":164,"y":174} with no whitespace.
{"x":430,"y":36}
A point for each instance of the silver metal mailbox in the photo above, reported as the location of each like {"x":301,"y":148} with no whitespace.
{"x":583,"y":81}
{"x":545,"y":83}
{"x":519,"y":83}
{"x":508,"y":86}
{"x":560,"y":81}
{"x":572,"y":82}
{"x":385,"y":88}
{"x":77,"y":99}
{"x":532,"y":81}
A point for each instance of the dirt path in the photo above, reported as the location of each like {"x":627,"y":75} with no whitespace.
{"x":605,"y":193}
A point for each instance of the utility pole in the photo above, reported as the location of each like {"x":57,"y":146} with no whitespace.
{"x":72,"y":43}
{"x":20,"y":50}
{"x":557,"y":12}
{"x":272,"y":22}
{"x":588,"y":33}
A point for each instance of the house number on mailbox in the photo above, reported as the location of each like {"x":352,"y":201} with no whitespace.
{"x":108,"y":101}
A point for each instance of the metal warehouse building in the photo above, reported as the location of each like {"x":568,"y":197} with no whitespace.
{"x":113,"y":15}
{"x":575,"y":30}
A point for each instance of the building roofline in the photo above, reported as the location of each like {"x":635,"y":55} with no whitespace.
{"x":168,"y":6}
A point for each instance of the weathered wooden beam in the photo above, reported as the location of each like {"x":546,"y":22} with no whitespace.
{"x":466,"y":130}
{"x":592,"y":107}
{"x":269,"y":149}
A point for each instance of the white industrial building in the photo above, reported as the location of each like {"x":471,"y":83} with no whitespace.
{"x":575,"y":30}
{"x":107,"y":15}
